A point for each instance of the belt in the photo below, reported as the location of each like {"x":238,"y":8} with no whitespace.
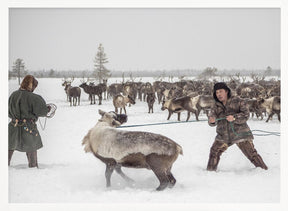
{"x":21,"y":122}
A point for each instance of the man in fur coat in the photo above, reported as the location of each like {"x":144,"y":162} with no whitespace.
{"x":24,"y":109}
{"x":230,"y":115}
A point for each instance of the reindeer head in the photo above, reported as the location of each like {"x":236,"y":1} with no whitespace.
{"x":165,"y":104}
{"x":131,"y":100}
{"x":67,"y":81}
{"x":82,"y":85}
{"x":112,"y":118}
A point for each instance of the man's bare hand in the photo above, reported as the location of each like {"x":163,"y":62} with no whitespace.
{"x":230,"y":118}
{"x":212,"y":120}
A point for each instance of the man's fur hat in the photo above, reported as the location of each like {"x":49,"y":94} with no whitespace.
{"x":221,"y":85}
{"x":29,"y":83}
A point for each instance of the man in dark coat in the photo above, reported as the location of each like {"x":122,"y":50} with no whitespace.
{"x":24,"y":109}
{"x":230,"y":114}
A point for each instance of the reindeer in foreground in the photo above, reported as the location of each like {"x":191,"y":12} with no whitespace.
{"x":117,"y":148}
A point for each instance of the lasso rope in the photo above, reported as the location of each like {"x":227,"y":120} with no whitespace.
{"x":43,"y":127}
{"x":160,"y":123}
{"x":50,"y":114}
{"x":266,"y":133}
{"x":250,"y":132}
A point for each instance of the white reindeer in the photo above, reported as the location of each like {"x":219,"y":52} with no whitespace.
{"x":133,"y":149}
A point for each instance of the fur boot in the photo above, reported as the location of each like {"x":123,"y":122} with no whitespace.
{"x":32,"y":159}
{"x":247,"y":147}
{"x":215,"y":152}
{"x":10,"y":153}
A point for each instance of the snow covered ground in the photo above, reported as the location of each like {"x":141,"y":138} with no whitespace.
{"x":67,"y":174}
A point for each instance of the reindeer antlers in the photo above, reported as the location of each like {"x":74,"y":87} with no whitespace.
{"x":66,"y":80}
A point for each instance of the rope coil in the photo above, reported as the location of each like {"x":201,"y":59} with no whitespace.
{"x":50,"y":114}
{"x":52,"y":111}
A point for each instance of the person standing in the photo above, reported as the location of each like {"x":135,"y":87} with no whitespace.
{"x":24,"y":109}
{"x":230,"y":115}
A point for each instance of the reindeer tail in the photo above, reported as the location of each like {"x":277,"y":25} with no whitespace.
{"x":86,"y":142}
{"x":179,"y":149}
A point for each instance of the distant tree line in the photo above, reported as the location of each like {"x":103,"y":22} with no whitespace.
{"x":100,"y":72}
{"x":181,"y":73}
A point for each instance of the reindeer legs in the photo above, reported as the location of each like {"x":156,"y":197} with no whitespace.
{"x":172,"y":180}
{"x":179,"y":116}
{"x":162,"y":177}
{"x":154,"y":163}
{"x":109,"y":170}
{"x":169,"y":115}
{"x":124,"y":176}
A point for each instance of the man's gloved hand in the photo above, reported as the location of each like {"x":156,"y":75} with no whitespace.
{"x":49,"y":108}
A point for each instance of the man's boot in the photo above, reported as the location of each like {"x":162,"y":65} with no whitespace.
{"x":10,"y":153}
{"x":32,"y":159}
{"x":247,"y":147}
{"x":215,"y":152}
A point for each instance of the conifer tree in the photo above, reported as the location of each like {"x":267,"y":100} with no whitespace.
{"x":101,"y":72}
{"x":18,"y":67}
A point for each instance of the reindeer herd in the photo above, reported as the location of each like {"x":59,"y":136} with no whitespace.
{"x":135,"y":149}
{"x":193,"y":96}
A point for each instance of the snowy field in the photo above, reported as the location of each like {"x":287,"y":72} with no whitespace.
{"x":67,"y":174}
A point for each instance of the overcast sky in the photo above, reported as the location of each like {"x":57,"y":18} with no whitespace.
{"x":141,"y":39}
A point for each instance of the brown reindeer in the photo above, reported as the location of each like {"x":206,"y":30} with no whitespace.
{"x":92,"y":90}
{"x":114,"y":89}
{"x":272,"y":106}
{"x":73,"y":93}
{"x":66,"y":82}
{"x":117,"y":148}
{"x":147,"y":88}
{"x":150,"y":101}
{"x":177,"y":105}
{"x":120,"y":101}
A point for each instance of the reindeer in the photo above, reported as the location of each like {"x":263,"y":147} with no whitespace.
{"x":115,"y":89}
{"x":204,"y":102}
{"x":73,"y":93}
{"x":159,"y":89}
{"x":175,"y":92}
{"x":177,"y":105}
{"x":253,"y":106}
{"x":66,"y":82}
{"x":104,"y":88}
{"x":92,"y":90}
{"x":272,"y":106}
{"x":117,"y":148}
{"x":139,"y":88}
{"x":120,"y":101}
{"x":150,"y":101}
{"x":248,"y":90}
{"x":131,"y":89}
{"x":147,"y":88}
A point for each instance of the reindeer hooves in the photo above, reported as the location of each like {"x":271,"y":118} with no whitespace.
{"x":162,"y":186}
{"x":172,"y":183}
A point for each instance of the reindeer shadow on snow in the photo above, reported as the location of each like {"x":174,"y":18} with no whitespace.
{"x":133,"y":149}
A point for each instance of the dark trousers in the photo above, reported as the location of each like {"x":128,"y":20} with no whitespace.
{"x":31,"y":156}
{"x":247,"y":147}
